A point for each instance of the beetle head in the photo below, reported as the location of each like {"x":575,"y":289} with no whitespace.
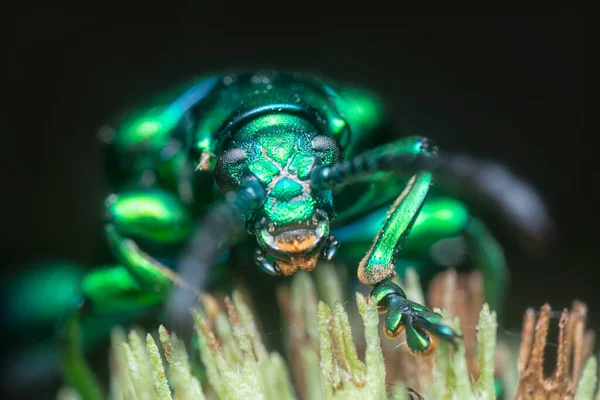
{"x":292,"y":226}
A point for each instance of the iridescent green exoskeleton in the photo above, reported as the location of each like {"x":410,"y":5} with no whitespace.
{"x":294,"y":165}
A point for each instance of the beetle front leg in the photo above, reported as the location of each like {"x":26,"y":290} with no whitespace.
{"x":377,"y":269}
{"x":139,"y":282}
{"x":377,"y":266}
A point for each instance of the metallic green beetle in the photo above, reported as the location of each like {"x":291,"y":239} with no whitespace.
{"x":294,"y":164}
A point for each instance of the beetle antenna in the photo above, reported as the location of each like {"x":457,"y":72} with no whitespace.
{"x":480,"y":183}
{"x":223,"y":224}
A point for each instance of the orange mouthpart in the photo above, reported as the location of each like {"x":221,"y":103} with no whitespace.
{"x":297,"y":242}
{"x":304,"y":264}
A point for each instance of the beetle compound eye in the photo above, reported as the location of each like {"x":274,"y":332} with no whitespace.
{"x":327,"y":148}
{"x":229,"y":169}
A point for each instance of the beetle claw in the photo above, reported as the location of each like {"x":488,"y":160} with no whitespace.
{"x":421,"y":325}
{"x":330,"y":248}
{"x":264,"y":264}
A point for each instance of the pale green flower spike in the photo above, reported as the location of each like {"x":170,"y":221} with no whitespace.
{"x":587,"y":384}
{"x":443,"y":372}
{"x":249,"y":371}
{"x":343,"y":374}
{"x":451,"y":378}
{"x":329,"y":283}
{"x":158,"y":371}
{"x":185,"y":386}
{"x":486,"y":339}
{"x":137,"y":355}
{"x":138,"y":371}
{"x":303,"y":332}
{"x":323,"y":354}
{"x":67,"y":393}
{"x":121,"y":383}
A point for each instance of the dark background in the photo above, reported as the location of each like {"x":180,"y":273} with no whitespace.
{"x":510,"y":89}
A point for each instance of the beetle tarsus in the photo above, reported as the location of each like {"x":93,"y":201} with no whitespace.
{"x":421,"y":325}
